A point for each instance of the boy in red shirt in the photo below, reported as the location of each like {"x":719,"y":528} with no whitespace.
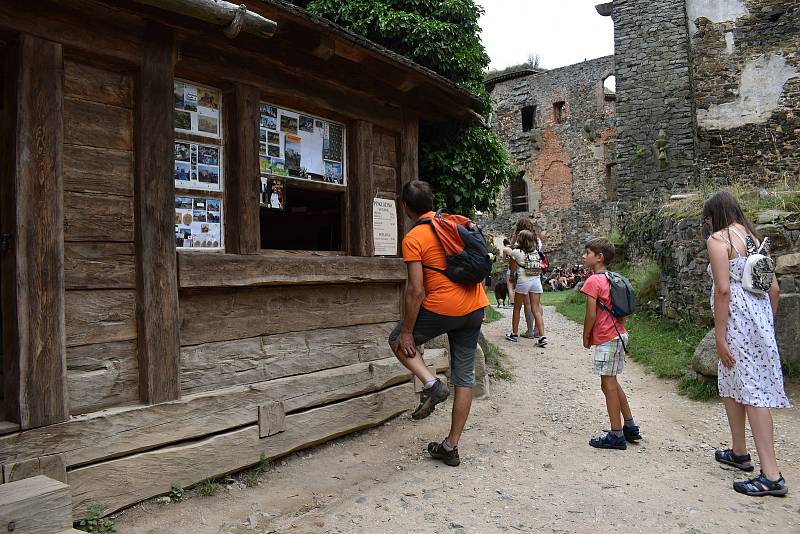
{"x":608,"y":336}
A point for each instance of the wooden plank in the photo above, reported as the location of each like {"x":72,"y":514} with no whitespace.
{"x":117,"y":432}
{"x":122,"y":482}
{"x":92,"y":217}
{"x":384,"y":148}
{"x":102,"y":375}
{"x":36,"y":380}
{"x":360,"y":189}
{"x":242,"y":313}
{"x":7,"y":427}
{"x":99,"y":266}
{"x":88,"y":82}
{"x":385,"y":178}
{"x":230,"y":270}
{"x":156,"y":271}
{"x":98,"y":170}
{"x":38,"y":505}
{"x":409,"y":163}
{"x":223,"y":364}
{"x":52,"y":466}
{"x":242,"y":184}
{"x":271,"y":419}
{"x":97,"y":125}
{"x":100,"y":316}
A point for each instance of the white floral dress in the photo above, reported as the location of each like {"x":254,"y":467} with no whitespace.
{"x":756,"y":378}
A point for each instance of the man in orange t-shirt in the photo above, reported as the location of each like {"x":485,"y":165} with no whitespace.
{"x":435,"y":305}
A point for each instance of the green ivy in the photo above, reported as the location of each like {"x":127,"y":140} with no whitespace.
{"x":465,"y":163}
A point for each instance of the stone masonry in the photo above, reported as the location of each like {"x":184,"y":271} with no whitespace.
{"x":565,"y":157}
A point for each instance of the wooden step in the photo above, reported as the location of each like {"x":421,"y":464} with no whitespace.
{"x":37,"y":505}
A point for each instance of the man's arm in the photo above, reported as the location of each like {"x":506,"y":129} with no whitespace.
{"x":589,"y":319}
{"x":414,"y":294}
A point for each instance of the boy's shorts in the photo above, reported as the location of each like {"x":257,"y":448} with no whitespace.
{"x":609,"y":357}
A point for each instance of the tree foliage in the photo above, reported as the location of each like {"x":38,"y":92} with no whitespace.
{"x":465,"y":163}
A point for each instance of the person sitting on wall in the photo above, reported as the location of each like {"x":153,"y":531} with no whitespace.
{"x":435,"y":305}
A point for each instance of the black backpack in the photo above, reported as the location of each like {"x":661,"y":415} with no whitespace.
{"x":466,"y":253}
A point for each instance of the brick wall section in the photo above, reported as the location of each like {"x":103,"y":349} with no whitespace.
{"x":653,"y":92}
{"x":762,"y":149}
{"x":564,"y":163}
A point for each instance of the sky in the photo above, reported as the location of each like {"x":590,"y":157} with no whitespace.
{"x":562,"y":32}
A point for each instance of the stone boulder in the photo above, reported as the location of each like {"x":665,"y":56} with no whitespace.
{"x":788,"y":264}
{"x":705,"y":357}
{"x":769,"y":216}
{"x":779,"y":239}
{"x":787,"y":327}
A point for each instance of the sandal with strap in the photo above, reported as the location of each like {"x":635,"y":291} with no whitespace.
{"x":541,"y":342}
{"x":761,"y":486}
{"x":740,"y":461}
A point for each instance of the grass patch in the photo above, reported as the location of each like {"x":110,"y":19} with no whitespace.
{"x":208,"y":488}
{"x":495,"y":361}
{"x":554,"y":298}
{"x":784,"y":196}
{"x":791,"y":370}
{"x":698,"y":389}
{"x":251,"y":477}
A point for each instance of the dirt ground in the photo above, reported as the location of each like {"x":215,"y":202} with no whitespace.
{"x":526,"y":465}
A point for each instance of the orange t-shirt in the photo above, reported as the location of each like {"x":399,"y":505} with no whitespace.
{"x":442,"y":295}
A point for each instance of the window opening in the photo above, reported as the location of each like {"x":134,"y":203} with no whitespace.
{"x":528,"y":118}
{"x":558,"y":112}
{"x":610,"y":88}
{"x":303,"y":180}
{"x":198,"y":171}
{"x":519,"y":194}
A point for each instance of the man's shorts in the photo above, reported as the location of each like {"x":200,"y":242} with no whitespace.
{"x":462,"y":332}
{"x":609,"y":357}
{"x":532,"y":285}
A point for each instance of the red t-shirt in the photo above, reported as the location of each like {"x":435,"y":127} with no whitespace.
{"x":598,"y":287}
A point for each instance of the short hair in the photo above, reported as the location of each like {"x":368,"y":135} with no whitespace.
{"x":417,"y":196}
{"x":601,"y":245}
{"x":525,"y":240}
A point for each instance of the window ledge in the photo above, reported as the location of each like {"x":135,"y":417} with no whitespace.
{"x":233,"y":270}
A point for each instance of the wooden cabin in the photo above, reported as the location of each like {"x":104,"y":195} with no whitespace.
{"x":199,"y":237}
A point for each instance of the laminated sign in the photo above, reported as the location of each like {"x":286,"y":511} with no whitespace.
{"x":384,"y":227}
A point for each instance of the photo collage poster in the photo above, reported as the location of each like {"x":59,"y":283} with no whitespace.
{"x":197,"y":109}
{"x":197,"y":166}
{"x":295,"y":145}
{"x":198,"y":222}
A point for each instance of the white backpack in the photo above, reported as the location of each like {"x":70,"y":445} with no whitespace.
{"x":759,"y":270}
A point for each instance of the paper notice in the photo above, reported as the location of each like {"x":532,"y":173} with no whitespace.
{"x":384,"y":227}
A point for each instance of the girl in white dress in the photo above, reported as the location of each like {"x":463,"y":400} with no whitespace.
{"x":750,"y":378}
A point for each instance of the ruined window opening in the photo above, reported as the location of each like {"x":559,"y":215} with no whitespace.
{"x":611,"y":182}
{"x":528,"y":118}
{"x":558,"y":112}
{"x":610,"y":88}
{"x":519,"y":194}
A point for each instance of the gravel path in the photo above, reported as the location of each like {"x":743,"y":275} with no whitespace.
{"x":526,"y":465}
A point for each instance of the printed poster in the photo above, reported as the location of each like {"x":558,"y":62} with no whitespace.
{"x":197,"y":166}
{"x":384,"y":227}
{"x":273,"y":193}
{"x":196,"y":109}
{"x":198,"y":222}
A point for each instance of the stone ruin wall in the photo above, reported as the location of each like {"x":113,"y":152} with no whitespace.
{"x":564,"y":165}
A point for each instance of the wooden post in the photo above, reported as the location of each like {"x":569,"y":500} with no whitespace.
{"x":360,"y":189}
{"x":409,"y":164}
{"x":33,"y":216}
{"x":242,"y":184}
{"x":156,"y":269}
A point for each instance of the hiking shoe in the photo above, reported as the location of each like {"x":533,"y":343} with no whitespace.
{"x":437,"y":450}
{"x":631,"y":433}
{"x":512,"y":337}
{"x":609,"y":441}
{"x":429,"y":398}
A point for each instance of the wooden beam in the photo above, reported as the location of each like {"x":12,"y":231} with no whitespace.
{"x":271,"y":419}
{"x":242,"y":183}
{"x":409,"y":163}
{"x":360,"y":189}
{"x":219,"y":13}
{"x":34,"y":309}
{"x":156,"y":277}
{"x":37,"y":505}
{"x":52,"y":466}
{"x":230,"y":270}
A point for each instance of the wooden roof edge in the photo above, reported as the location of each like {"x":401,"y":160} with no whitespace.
{"x":473,"y":104}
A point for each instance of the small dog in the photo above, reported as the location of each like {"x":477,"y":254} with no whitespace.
{"x":501,"y":293}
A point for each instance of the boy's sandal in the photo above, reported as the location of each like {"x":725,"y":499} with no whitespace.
{"x":740,"y":461}
{"x":761,"y":486}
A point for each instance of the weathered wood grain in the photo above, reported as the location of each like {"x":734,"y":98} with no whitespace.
{"x":242,"y":185}
{"x":156,"y":264}
{"x":34,"y":309}
{"x":360,"y":189}
{"x":124,"y":481}
{"x":93,"y":217}
{"x":409,"y":162}
{"x":271,"y":419}
{"x":384,"y":148}
{"x":97,"y":84}
{"x":227,"y":314}
{"x":100,"y":316}
{"x":52,"y":466}
{"x":101,"y":376}
{"x":385,"y":178}
{"x":97,"y":125}
{"x":38,"y":505}
{"x":98,"y":170}
{"x":99,"y":266}
{"x":247,"y":361}
{"x":231,"y":270}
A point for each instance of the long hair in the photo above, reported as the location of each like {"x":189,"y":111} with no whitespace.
{"x":526,"y":240}
{"x":523,"y":225}
{"x":724,"y":211}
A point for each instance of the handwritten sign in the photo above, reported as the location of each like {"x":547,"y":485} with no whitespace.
{"x":384,"y":227}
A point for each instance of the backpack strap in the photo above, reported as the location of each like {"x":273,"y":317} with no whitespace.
{"x":427,"y":220}
{"x":613,"y":317}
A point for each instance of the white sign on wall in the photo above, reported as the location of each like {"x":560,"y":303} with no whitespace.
{"x":384,"y":227}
